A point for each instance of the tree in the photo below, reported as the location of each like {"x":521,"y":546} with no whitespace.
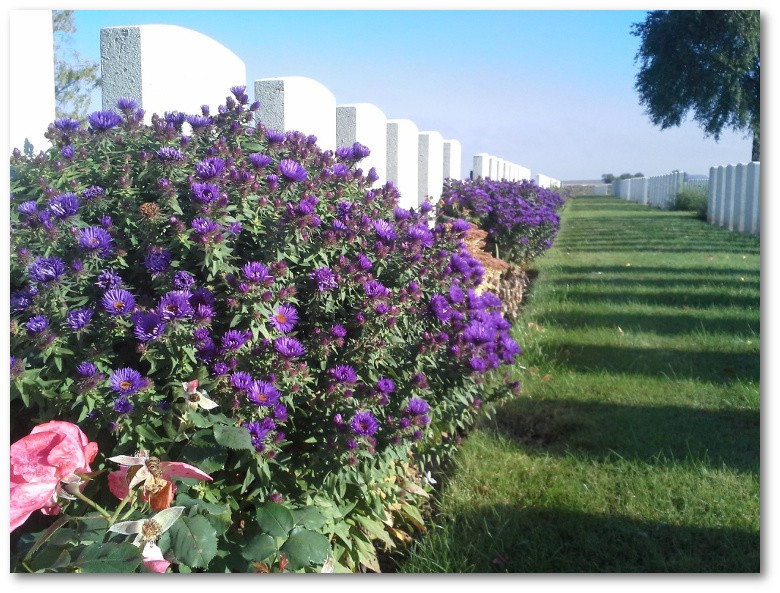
{"x":702,"y":61}
{"x":74,"y":78}
{"x":608,"y":177}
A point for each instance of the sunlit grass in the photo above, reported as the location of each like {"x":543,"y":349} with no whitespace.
{"x":634,"y":446}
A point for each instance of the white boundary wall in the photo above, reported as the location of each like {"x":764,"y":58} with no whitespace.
{"x":298,"y":103}
{"x":31,"y":78}
{"x":136,"y":63}
{"x":734,"y":197}
{"x":403,"y":148}
{"x":364,"y":123}
{"x":488,"y":166}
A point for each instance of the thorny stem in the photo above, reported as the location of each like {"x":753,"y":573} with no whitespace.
{"x":77,"y":493}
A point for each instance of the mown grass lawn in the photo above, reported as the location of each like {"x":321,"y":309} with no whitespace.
{"x":634,"y":446}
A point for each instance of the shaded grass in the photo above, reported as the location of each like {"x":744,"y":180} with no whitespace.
{"x":635,"y":445}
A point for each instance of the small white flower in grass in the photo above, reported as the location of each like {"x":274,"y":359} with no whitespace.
{"x":197,"y":399}
{"x":427,"y":477}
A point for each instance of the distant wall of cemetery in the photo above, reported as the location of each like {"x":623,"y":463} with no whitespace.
{"x":136,"y":62}
{"x":733,"y":194}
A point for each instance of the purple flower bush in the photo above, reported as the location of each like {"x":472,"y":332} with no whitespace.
{"x":341,"y":338}
{"x":520,"y":217}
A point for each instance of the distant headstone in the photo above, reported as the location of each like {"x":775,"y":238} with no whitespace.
{"x":431,"y":166}
{"x":452,"y":159}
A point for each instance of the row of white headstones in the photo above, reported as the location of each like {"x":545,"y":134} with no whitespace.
{"x":133,"y":65}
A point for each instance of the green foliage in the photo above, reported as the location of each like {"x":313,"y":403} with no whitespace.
{"x":692,"y":199}
{"x":706,"y":62}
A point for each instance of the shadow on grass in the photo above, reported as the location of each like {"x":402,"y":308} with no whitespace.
{"x":703,"y":299}
{"x":705,"y":365}
{"x":714,"y":273}
{"x":657,"y":323}
{"x":650,"y":434}
{"x":506,"y":538}
{"x":744,"y":281}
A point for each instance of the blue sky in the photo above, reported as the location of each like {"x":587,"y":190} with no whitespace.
{"x":549,"y":90}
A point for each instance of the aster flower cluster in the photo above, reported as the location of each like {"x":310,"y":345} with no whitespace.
{"x":520,"y":217}
{"x":335,"y":327}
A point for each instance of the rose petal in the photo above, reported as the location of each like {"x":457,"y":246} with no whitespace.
{"x":117,"y":483}
{"x":163,"y":498}
{"x":153,"y":558}
{"x":177,"y":469}
{"x":27,"y":498}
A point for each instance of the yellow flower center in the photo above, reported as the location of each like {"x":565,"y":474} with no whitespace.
{"x":151,"y":530}
{"x":125,"y":385}
{"x":281,"y":318}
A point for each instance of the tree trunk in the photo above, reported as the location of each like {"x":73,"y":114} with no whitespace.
{"x":756,"y":146}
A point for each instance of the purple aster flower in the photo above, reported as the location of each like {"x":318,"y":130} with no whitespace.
{"x":284,"y":318}
{"x":67,"y":124}
{"x":79,"y":318}
{"x":175,"y":304}
{"x":22,"y":299}
{"x":417,"y":407}
{"x":385,"y":385}
{"x":280,"y":412}
{"x":64,"y":205}
{"x":324,"y":278}
{"x":67,"y":152}
{"x":198,"y":122}
{"x":441,"y":308}
{"x":343,"y":373}
{"x":168,"y":154}
{"x":122,"y":405}
{"x":93,"y":192}
{"x":240,"y":380}
{"x":37,"y":324}
{"x":209,"y":168}
{"x":338,"y":331}
{"x":372,"y":175}
{"x":148,"y":326}
{"x":479,"y":333}
{"x":274,"y":137}
{"x":401,"y":213}
{"x":460,"y":226}
{"x":126,"y":104}
{"x":46,"y":269}
{"x":235,"y":228}
{"x":292,"y":170}
{"x":478,"y":364}
{"x":118,"y":301}
{"x":127,"y":381}
{"x":421,"y":233}
{"x":183,"y":280}
{"x":204,"y":226}
{"x":456,"y":294}
{"x":204,"y":193}
{"x":108,"y":279}
{"x":385,"y":230}
{"x":256,"y":272}
{"x":289,"y":347}
{"x":202,"y":313}
{"x":260,"y":160}
{"x":359,"y":151}
{"x":340,"y":170}
{"x":220,"y":368}
{"x":87,"y":369}
{"x":202,"y":296}
{"x":176,"y":118}
{"x":259,"y":431}
{"x":95,"y":238}
{"x":104,"y":120}
{"x":29,"y":207}
{"x":234,"y":339}
{"x":364,"y":423}
{"x":375,"y":289}
{"x":157,"y":259}
{"x":263,"y":393}
{"x":426,"y":207}
{"x":344,"y":152}
{"x":363,"y":262}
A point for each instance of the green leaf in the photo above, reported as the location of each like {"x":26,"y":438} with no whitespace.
{"x":305,"y":548}
{"x":275,"y":519}
{"x":261,"y":547}
{"x":194,"y":541}
{"x":110,"y":557}
{"x":375,"y":529}
{"x":310,"y":518}
{"x":233,"y":437}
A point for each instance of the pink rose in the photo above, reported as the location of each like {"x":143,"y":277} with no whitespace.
{"x":51,"y":453}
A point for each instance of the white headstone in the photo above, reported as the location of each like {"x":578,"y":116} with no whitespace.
{"x":402,"y":159}
{"x":167,"y":68}
{"x":298,"y":103}
{"x":31,"y":78}
{"x":431,"y":166}
{"x":452,"y":161}
{"x":364,"y":123}
{"x":481,"y":165}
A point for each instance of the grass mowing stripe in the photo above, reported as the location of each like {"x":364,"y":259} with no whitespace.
{"x":635,"y":444}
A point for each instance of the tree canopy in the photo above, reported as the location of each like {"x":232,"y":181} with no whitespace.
{"x":704,"y":62}
{"x":74,"y":78}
